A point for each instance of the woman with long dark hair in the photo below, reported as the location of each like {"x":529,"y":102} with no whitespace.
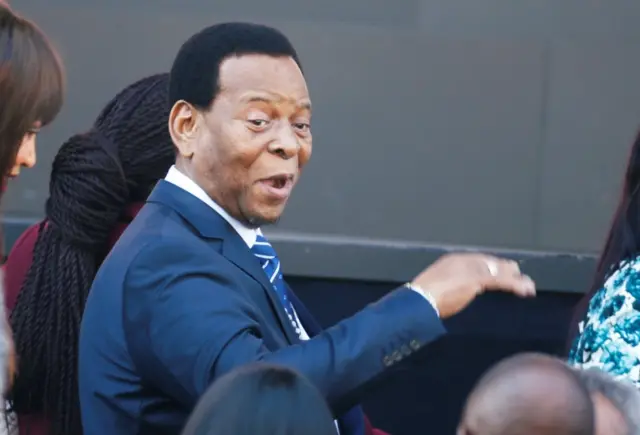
{"x":261,"y":399}
{"x":607,"y":323}
{"x":100,"y":179}
{"x":31,"y":95}
{"x":31,"y":89}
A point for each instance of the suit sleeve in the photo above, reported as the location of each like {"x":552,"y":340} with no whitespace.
{"x":191,"y":325}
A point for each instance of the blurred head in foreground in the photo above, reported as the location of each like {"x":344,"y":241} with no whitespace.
{"x":261,"y":399}
{"x":528,"y":394}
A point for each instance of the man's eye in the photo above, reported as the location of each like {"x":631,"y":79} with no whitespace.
{"x":302,"y":126}
{"x":258,"y":122}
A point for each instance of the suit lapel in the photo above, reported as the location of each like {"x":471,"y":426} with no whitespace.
{"x":239,"y":254}
{"x":210,"y":225}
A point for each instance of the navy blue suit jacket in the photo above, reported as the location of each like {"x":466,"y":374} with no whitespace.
{"x":181,"y":300}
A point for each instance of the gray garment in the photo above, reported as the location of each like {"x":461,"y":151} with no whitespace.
{"x":4,"y":365}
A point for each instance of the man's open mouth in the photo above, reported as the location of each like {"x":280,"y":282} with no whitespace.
{"x":278,"y":186}
{"x":279,"y":181}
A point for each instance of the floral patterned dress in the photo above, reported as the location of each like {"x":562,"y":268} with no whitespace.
{"x":609,"y":336}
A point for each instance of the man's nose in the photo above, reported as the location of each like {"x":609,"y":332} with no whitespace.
{"x":287,"y":143}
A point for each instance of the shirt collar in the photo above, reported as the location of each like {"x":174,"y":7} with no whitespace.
{"x":174,"y":176}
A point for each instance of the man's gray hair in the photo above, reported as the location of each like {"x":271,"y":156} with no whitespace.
{"x":622,"y":394}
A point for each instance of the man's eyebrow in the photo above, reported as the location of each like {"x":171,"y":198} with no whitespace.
{"x":255,"y":98}
{"x":270,"y":99}
{"x":306,"y":105}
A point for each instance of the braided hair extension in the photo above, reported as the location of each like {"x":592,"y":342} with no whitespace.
{"x":95,"y":176}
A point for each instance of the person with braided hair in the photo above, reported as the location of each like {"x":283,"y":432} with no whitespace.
{"x":99,"y":181}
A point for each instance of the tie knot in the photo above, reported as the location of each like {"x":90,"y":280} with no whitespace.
{"x":263,"y":249}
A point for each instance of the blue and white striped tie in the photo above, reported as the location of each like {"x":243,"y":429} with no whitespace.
{"x":270,"y":263}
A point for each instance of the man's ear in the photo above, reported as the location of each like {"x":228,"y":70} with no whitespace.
{"x":183,"y":126}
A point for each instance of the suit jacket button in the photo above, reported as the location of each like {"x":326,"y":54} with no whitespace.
{"x":387,"y":361}
{"x":397,"y":356}
{"x":415,"y":345}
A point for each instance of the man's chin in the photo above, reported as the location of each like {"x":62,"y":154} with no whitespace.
{"x":265,"y":217}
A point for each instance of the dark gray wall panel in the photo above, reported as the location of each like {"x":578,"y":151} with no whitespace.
{"x":592,"y":114}
{"x":543,"y":20}
{"x":437,"y":123}
{"x":394,"y":109}
{"x":401,"y":144}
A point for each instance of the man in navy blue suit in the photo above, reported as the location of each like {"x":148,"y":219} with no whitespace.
{"x":193,"y":289}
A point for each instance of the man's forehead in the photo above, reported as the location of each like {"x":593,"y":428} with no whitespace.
{"x":255,"y":77}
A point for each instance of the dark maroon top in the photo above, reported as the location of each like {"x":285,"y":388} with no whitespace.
{"x":15,"y":271}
